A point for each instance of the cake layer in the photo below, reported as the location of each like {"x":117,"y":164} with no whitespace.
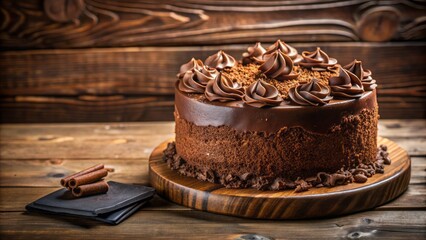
{"x":293,"y":142}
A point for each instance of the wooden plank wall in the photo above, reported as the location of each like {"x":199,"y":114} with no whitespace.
{"x":93,"y":60}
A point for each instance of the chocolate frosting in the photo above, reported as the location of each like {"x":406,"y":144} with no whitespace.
{"x":356,"y":68}
{"x":278,"y":66}
{"x":241,"y":117}
{"x":317,"y":60}
{"x":195,"y":81}
{"x":254,"y":54}
{"x":286,"y":49}
{"x":260,"y":94}
{"x":206,"y":74}
{"x":313,"y":93}
{"x":220,"y":60}
{"x":223,"y":89}
{"x":368,"y":83}
{"x":192,"y":64}
{"x":346,"y":85}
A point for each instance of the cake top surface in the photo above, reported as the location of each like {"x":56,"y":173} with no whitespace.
{"x":275,"y":76}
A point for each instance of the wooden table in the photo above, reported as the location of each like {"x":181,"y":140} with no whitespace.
{"x":35,"y":156}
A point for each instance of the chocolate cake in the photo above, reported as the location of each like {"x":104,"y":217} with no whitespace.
{"x":276,"y":119}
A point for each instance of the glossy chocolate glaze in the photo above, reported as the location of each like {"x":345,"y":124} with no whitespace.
{"x":319,"y":119}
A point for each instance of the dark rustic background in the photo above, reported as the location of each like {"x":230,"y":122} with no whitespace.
{"x":93,"y":60}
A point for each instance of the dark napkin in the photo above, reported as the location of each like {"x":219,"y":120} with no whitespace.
{"x":114,"y":217}
{"x":118,"y":203}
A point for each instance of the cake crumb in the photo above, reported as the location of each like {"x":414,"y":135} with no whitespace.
{"x":247,"y":74}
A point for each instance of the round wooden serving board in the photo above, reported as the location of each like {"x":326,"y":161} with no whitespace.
{"x":286,"y":204}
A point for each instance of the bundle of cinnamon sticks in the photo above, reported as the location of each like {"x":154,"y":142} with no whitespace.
{"x":87,"y":182}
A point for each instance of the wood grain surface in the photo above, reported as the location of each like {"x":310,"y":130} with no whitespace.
{"x":92,"y":69}
{"x":96,"y":23}
{"x":27,"y":174}
{"x":200,"y":225}
{"x":137,"y":84}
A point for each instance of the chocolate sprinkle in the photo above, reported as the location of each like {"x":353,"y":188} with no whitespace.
{"x":358,"y":174}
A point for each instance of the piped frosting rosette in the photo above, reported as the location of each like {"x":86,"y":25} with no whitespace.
{"x":317,"y":60}
{"x":260,"y":94}
{"x":192,"y":64}
{"x":286,"y":49}
{"x":346,"y":85}
{"x":313,"y":93}
{"x":195,"y":81}
{"x":278,"y":66}
{"x":364,"y":75}
{"x":220,"y":60}
{"x":223,"y":89}
{"x":254,"y":54}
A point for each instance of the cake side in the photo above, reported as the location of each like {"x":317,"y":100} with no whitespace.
{"x":291,"y":152}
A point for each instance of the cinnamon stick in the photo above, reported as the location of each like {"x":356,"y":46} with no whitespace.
{"x":90,"y":189}
{"x":65,"y":180}
{"x":87,"y":178}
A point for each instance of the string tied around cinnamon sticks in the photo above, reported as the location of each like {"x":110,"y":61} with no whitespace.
{"x":87,"y":182}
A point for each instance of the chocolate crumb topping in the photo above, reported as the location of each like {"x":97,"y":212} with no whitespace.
{"x":360,"y":178}
{"x":281,"y":66}
{"x":358,"y":174}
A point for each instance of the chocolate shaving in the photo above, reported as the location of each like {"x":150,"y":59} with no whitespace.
{"x":278,"y":184}
{"x":302,"y":186}
{"x":210,"y":176}
{"x":358,"y":174}
{"x":246,"y":176}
